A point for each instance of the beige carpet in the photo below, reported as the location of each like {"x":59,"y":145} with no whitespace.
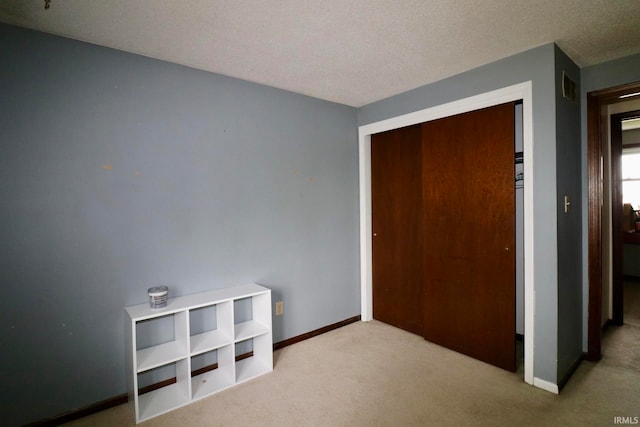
{"x":632,"y":302}
{"x":372,"y":374}
{"x":621,"y":345}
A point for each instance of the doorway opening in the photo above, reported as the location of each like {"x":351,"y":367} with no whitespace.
{"x":605,"y":239}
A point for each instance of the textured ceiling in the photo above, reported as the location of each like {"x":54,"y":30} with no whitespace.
{"x":349,"y":51}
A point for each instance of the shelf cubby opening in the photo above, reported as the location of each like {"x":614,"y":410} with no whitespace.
{"x":161,"y":340}
{"x":156,"y":378}
{"x":162,"y":389}
{"x":210,"y":327}
{"x":243,"y":348}
{"x":211,"y":372}
{"x":253,"y":357}
{"x":155,"y":331}
{"x":243,"y":310}
{"x":252,"y":316}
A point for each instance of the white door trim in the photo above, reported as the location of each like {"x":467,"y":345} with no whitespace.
{"x":521,"y":91}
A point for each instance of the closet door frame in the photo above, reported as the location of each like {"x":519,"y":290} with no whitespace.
{"x":521,"y":91}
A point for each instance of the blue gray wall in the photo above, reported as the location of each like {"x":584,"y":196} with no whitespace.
{"x":536,"y":65}
{"x":596,"y":77}
{"x":568,"y":183}
{"x":119,"y":172}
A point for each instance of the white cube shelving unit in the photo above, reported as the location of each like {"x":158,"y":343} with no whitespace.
{"x":224,"y":339}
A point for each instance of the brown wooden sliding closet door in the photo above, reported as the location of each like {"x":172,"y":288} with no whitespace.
{"x":397,"y":220}
{"x":469,"y":234}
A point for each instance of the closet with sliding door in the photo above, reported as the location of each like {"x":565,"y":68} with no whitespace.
{"x":444,"y":232}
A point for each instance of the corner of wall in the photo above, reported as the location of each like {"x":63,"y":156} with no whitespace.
{"x":568,"y":212}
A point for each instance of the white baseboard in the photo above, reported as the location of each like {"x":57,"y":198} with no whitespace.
{"x":546,"y":385}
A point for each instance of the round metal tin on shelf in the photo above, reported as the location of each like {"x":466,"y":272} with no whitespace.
{"x":158,"y":296}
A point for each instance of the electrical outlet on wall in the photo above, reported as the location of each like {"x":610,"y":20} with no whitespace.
{"x":279,"y":308}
